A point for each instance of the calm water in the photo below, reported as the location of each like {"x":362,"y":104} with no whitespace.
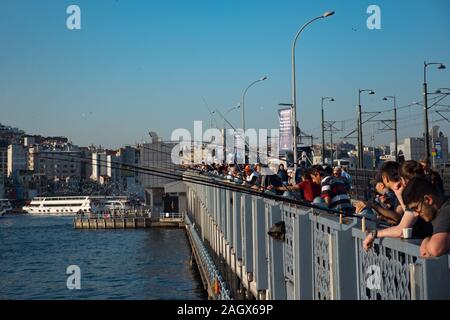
{"x":115,"y":264}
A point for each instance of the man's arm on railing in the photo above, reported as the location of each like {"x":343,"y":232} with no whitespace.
{"x":436,"y":245}
{"x":392,"y":215}
{"x":408,"y":220}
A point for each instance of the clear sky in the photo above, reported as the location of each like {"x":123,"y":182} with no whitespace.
{"x":156,"y":65}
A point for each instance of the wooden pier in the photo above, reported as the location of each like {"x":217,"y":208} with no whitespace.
{"x":128,"y":222}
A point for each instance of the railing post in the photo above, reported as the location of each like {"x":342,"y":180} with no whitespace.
{"x":237,"y":236}
{"x":259,"y":244}
{"x":229,"y":217}
{"x":302,"y":248}
{"x":277,"y":283}
{"x":247,"y":232}
{"x":437,"y":278}
{"x":223,"y":212}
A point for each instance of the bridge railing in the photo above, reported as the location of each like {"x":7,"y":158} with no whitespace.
{"x":316,"y":255}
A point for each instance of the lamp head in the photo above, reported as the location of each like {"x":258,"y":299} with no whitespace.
{"x":327,"y":14}
{"x":371,"y":92}
{"x":441,"y":66}
{"x":332,"y":99}
{"x":263,"y":78}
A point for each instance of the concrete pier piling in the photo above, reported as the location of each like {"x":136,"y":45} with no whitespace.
{"x":129,"y":222}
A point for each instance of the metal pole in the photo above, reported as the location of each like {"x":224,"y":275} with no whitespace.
{"x":323,"y":136}
{"x":294,"y":95}
{"x":243,"y":112}
{"x":331,"y":144}
{"x":360,"y":138}
{"x":395,"y":130}
{"x":425,"y":109}
{"x":373,"y":148}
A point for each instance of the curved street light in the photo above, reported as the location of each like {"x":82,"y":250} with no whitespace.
{"x":294,"y":96}
{"x":425,"y":104}
{"x":323,"y":131}
{"x":228,"y":111}
{"x":243,"y":109}
{"x":395,"y":125}
{"x":360,"y":132}
{"x":243,"y":98}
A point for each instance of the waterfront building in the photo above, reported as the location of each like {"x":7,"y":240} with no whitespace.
{"x":55,"y":164}
{"x":156,"y":155}
{"x":3,"y":159}
{"x":99,"y":168}
{"x":17,"y":159}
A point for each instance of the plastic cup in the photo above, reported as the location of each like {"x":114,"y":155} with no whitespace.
{"x":407,"y":233}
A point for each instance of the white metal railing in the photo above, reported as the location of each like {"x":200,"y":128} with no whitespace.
{"x":321,"y":256}
{"x":171,"y":215}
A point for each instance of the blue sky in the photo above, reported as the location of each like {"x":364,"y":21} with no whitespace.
{"x":155,"y":65}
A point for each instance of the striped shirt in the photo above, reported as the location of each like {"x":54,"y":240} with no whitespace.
{"x":336,"y":190}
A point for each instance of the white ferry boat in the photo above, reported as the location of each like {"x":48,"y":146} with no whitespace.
{"x":75,"y":205}
{"x":5,"y":206}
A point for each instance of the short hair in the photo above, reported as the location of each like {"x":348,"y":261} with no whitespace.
{"x":389,"y":169}
{"x":417,"y":188}
{"x":307,"y":174}
{"x":410,"y":169}
{"x":425,"y":160}
{"x":317,"y":170}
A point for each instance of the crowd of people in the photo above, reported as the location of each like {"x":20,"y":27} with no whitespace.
{"x":407,"y":195}
{"x":321,"y":185}
{"x":411,"y":195}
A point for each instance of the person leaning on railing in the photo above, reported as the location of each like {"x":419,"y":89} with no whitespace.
{"x":421,"y":196}
{"x":309,"y":190}
{"x":333,"y":191}
{"x":410,"y":219}
{"x":390,"y":177}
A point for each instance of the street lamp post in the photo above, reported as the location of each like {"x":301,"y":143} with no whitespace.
{"x":425,"y":105}
{"x":395,"y":126}
{"x":243,"y":109}
{"x":323,"y":131}
{"x":228,"y":111}
{"x":211,"y":115}
{"x":224,"y":140}
{"x":294,"y":96}
{"x":360,"y":131}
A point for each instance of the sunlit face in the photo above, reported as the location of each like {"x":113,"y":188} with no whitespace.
{"x":380,"y":188}
{"x":424,"y":208}
{"x":425,"y":165}
{"x":316,"y":178}
{"x":337,"y":172}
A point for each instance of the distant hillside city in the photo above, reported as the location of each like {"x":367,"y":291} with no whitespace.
{"x":34,"y":165}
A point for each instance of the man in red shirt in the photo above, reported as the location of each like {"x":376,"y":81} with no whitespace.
{"x":310,"y":189}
